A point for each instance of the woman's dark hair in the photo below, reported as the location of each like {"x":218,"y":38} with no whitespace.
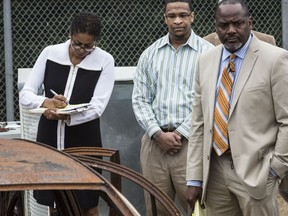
{"x":86,"y":22}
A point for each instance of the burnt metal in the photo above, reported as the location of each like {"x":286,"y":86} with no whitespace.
{"x":27,"y":165}
{"x":133,"y":176}
{"x":112,"y":154}
{"x":12,"y":203}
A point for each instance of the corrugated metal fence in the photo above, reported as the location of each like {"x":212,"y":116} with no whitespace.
{"x":129,"y":26}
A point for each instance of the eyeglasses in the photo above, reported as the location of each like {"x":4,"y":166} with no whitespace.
{"x":86,"y":47}
{"x":182,"y":16}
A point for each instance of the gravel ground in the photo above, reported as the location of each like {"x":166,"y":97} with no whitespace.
{"x":283,"y":206}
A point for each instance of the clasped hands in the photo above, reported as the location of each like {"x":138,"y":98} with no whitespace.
{"x":57,"y":102}
{"x":169,"y":142}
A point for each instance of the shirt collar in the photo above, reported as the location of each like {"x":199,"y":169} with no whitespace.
{"x":240,"y":53}
{"x":192,"y":41}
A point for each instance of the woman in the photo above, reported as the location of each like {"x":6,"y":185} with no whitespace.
{"x":79,"y":72}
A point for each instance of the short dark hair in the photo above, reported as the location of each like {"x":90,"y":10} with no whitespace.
{"x":241,"y":2}
{"x":86,"y":22}
{"x":172,"y":1}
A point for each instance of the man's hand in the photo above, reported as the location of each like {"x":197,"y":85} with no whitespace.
{"x":193,"y":194}
{"x":169,"y":142}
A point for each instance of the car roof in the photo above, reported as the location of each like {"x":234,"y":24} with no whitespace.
{"x":24,"y":166}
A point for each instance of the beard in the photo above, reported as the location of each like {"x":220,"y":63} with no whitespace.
{"x":233,"y":47}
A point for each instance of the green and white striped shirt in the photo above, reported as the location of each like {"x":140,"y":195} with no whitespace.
{"x":163,"y":84}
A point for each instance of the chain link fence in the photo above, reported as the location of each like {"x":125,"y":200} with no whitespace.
{"x":129,"y":26}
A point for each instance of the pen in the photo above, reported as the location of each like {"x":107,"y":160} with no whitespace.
{"x":55,"y":94}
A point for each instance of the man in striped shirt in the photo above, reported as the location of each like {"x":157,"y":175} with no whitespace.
{"x":162,"y":100}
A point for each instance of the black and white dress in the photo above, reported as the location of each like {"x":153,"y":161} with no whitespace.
{"x":91,"y":81}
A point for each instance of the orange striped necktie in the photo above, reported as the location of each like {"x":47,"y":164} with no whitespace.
{"x":222,"y":107}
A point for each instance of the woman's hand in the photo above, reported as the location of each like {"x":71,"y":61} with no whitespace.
{"x":52,"y":115}
{"x":58,"y":101}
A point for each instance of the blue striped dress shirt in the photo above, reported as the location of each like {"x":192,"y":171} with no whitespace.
{"x":240,"y":54}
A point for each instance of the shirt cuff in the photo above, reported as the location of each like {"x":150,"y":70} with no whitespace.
{"x":68,"y":121}
{"x":185,"y":132}
{"x":273,"y":172}
{"x":194,"y":183}
{"x":152,"y":130}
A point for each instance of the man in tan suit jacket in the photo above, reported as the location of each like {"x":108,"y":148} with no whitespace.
{"x":214,"y":39}
{"x":244,"y":180}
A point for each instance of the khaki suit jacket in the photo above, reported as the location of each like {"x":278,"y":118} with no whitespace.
{"x":213,"y":38}
{"x":258,"y":119}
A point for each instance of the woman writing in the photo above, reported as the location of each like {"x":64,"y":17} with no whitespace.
{"x":80,"y":72}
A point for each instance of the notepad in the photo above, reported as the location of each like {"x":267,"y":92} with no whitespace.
{"x":69,"y":109}
{"x":198,"y":211}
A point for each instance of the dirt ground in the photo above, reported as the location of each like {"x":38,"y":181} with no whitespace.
{"x":283,"y":206}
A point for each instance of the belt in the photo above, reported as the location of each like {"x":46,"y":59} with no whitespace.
{"x":168,"y":129}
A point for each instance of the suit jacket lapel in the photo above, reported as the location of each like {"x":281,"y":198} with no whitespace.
{"x":214,"y":70}
{"x":245,"y":71}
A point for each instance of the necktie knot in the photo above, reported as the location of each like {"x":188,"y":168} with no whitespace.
{"x":232,"y":57}
{"x":231,"y":63}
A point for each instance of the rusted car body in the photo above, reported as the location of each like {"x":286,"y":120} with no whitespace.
{"x":27,"y":165}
